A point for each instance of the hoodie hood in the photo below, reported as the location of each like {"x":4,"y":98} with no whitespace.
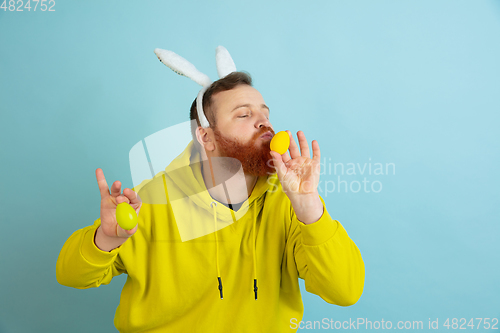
{"x":186,"y":175}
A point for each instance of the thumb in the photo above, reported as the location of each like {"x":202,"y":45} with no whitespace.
{"x":278,"y":164}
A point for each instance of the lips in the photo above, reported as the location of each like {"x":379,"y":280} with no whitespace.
{"x":267,"y":135}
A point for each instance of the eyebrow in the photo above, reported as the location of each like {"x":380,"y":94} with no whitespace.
{"x":248,"y":105}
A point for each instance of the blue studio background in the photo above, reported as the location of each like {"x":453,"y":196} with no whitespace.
{"x":412,"y":85}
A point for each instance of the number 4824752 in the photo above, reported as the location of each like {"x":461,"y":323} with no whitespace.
{"x":20,"y":5}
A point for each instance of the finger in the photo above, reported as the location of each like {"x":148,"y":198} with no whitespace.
{"x":316,"y":152}
{"x":132,"y":196}
{"x":278,"y":164}
{"x":294,"y":150}
{"x":285,"y":157}
{"x":304,"y":147}
{"x":101,"y":183}
{"x":122,"y":198}
{"x":116,"y":189}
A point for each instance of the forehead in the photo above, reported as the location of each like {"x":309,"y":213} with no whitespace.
{"x":226,"y":101}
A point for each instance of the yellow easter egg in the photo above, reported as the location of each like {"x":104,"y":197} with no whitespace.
{"x":126,"y":216}
{"x":280,"y":142}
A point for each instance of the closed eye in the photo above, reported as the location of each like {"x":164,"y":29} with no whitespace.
{"x":243,"y":116}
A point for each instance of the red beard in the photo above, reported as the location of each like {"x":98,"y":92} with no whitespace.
{"x":254,"y":156}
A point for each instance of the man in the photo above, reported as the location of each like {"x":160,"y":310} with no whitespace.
{"x":224,"y":249}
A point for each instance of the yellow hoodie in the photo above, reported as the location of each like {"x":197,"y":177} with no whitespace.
{"x":175,"y":259}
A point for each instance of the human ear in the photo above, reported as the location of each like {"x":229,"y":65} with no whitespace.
{"x":205,"y":138}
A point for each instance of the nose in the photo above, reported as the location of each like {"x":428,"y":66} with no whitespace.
{"x":262,"y":121}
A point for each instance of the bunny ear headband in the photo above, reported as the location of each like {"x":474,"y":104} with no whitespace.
{"x":225,"y":66}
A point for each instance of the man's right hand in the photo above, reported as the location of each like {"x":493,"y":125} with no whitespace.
{"x":110,"y":235}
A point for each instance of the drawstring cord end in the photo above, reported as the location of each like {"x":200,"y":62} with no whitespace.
{"x":220,"y":287}
{"x":255,"y":287}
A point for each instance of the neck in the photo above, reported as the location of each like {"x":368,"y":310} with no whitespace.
{"x":236,"y":187}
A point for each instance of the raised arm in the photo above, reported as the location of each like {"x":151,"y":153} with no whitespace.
{"x":89,"y":257}
{"x":325,"y":257}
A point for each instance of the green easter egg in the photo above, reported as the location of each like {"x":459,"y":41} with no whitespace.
{"x":126,"y":216}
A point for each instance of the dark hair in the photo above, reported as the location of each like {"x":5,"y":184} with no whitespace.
{"x":228,"y":82}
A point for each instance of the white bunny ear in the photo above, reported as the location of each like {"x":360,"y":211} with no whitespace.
{"x":199,"y":108}
{"x":225,"y":64}
{"x":182,"y":67}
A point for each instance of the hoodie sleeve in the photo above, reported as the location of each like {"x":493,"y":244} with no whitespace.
{"x":82,"y":265}
{"x":327,"y":259}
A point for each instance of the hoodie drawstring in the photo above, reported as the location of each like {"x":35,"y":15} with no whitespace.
{"x":213,"y":204}
{"x":254,"y":245}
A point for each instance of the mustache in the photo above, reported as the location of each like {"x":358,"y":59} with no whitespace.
{"x":261,"y":131}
